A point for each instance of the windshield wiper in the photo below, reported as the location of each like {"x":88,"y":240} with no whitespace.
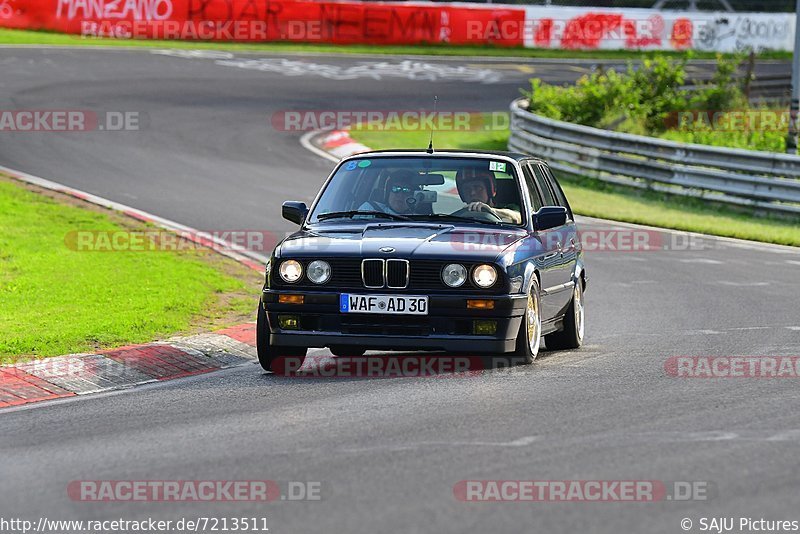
{"x":449,"y":217}
{"x":352,"y":213}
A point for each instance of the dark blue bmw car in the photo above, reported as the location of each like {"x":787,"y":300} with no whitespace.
{"x":473,"y":252}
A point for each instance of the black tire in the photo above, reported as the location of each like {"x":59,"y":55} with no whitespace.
{"x":525,"y":351}
{"x":268,"y":354}
{"x":571,"y":337}
{"x":344,"y":350}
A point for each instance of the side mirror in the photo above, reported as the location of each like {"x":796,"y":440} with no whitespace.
{"x":294,"y":211}
{"x":549,"y":217}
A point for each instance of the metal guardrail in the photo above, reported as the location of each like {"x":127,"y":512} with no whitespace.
{"x":764,"y":180}
{"x":771,"y":89}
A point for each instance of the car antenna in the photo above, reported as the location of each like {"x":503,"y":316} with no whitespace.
{"x":430,"y":142}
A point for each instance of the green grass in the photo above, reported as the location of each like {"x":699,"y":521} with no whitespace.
{"x":598,"y":199}
{"x":768,"y":140}
{"x":25,"y":37}
{"x":478,"y":139}
{"x":58,"y":300}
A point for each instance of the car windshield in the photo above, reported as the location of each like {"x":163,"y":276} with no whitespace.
{"x":418,"y":188}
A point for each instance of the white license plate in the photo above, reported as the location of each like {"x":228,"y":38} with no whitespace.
{"x":390,"y":304}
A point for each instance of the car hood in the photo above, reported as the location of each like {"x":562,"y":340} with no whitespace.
{"x":417,"y":241}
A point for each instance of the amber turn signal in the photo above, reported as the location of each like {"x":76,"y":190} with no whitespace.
{"x":480,"y":304}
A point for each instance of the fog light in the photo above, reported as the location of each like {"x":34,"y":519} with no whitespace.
{"x":484,"y":328}
{"x":480,"y":304}
{"x":291,"y":299}
{"x":289,"y":322}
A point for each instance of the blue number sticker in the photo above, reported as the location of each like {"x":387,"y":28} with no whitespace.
{"x":351,"y":166}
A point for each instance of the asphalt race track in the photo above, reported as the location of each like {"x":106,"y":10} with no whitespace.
{"x":388,"y":452}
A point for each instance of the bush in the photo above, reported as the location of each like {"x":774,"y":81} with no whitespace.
{"x":646,"y":100}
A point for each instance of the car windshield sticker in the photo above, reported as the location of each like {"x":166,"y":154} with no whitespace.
{"x":497,"y":166}
{"x":351,"y":165}
{"x":364,"y":163}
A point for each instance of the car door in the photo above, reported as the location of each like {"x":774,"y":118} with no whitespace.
{"x":558,"y":290}
{"x":546,"y":246}
{"x":571,"y":247}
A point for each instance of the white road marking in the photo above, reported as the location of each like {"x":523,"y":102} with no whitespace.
{"x":519,"y":442}
{"x":743,"y":284}
{"x":787,"y":435}
{"x":713,"y":435}
{"x":621,"y":439}
{"x":194,"y":54}
{"x":701,"y":260}
{"x":703,"y":332}
{"x":375,"y":70}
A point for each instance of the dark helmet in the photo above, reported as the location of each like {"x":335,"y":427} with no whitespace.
{"x":471,"y":174}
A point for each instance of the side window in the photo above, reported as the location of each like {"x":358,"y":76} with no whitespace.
{"x":530,"y":183}
{"x":541,"y":180}
{"x":559,"y":193}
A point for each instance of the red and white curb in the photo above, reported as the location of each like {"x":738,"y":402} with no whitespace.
{"x":332,"y":144}
{"x":125,"y":367}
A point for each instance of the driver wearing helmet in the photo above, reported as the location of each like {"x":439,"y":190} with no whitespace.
{"x":477,"y":187}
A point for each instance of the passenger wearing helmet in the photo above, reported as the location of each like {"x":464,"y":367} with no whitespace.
{"x":398,"y":196}
{"x":478,"y":189}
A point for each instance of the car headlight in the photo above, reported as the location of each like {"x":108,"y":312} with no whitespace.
{"x":319,"y":271}
{"x":454,"y":275}
{"x":291,"y":271}
{"x":484,"y":276}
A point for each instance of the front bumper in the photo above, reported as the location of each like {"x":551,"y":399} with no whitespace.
{"x":448,"y":325}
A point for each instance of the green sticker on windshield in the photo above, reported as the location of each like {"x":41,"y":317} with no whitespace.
{"x":364,"y":163}
{"x":497,"y":166}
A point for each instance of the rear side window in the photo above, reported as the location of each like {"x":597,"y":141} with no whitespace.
{"x":530,"y":183}
{"x":541,"y":181}
{"x":557,"y":191}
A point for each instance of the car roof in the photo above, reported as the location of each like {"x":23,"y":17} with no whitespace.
{"x":517,"y":156}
